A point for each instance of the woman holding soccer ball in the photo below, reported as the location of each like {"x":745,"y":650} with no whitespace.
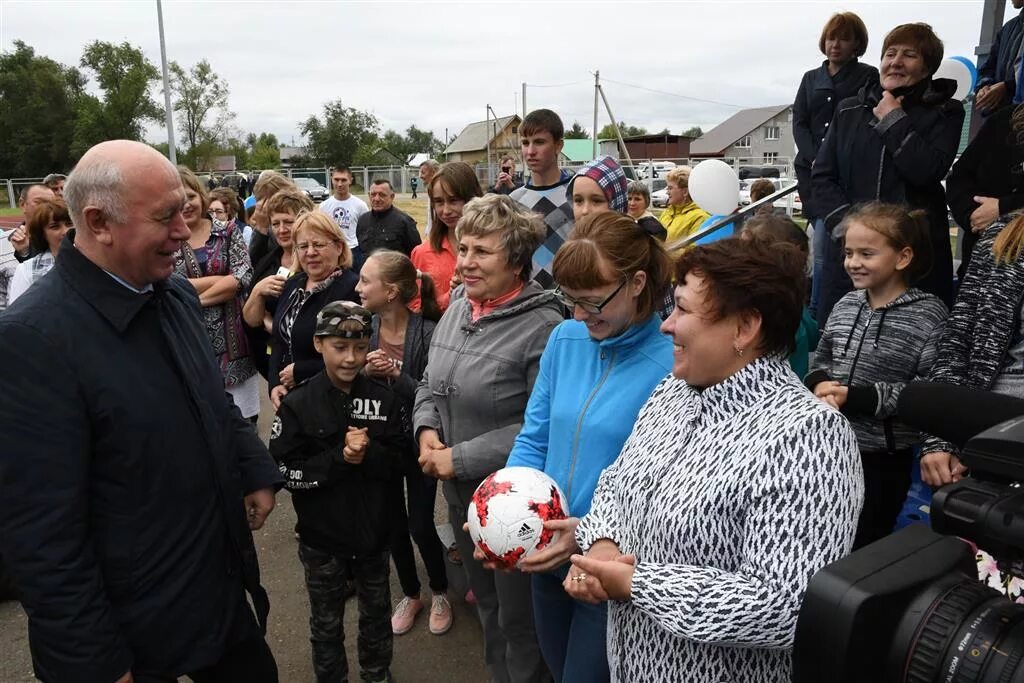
{"x":735,"y":486}
{"x":596,"y":372}
{"x":484,"y":357}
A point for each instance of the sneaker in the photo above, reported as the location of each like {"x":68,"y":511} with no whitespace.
{"x":440,"y":614}
{"x":405,"y":615}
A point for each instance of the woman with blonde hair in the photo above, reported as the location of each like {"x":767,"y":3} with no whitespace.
{"x":216,"y":263}
{"x":682,"y":217}
{"x":323,"y":262}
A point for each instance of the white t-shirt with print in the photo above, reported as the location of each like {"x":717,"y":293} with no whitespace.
{"x":346,"y":213}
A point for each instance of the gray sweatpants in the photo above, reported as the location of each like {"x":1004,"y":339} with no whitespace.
{"x":504,"y":602}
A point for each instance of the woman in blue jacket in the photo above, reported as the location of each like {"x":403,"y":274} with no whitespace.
{"x":596,"y":372}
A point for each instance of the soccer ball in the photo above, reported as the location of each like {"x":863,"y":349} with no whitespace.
{"x":507,"y":514}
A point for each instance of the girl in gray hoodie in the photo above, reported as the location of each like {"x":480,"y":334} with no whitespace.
{"x":879,"y":337}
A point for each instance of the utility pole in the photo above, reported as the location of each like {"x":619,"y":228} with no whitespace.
{"x":525,"y":110}
{"x":615,"y":125}
{"x":487,"y":125}
{"x":171,"y":152}
{"x":597,"y":90}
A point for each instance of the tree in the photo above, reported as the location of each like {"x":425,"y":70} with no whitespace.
{"x":124,"y":76}
{"x":266,"y":152}
{"x":577,"y":132}
{"x":201,"y":100}
{"x":339,"y":136}
{"x":693,"y":132}
{"x":395,"y":148}
{"x":37,"y":114}
{"x":608,"y":132}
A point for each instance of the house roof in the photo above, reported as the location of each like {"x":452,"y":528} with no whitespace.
{"x":716,"y":140}
{"x":475,"y":136}
{"x":418,"y":159}
{"x":578,"y":150}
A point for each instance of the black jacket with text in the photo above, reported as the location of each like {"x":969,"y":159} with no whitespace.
{"x":342,"y":508}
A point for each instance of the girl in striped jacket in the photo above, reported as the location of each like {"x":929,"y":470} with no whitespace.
{"x":879,"y":337}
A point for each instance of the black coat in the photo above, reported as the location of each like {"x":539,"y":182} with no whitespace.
{"x":392,"y":229}
{"x":342,"y":508}
{"x":989,"y":167}
{"x":901,"y":159}
{"x":813,"y":109}
{"x":268,"y":264}
{"x":307,"y":361}
{"x":122,"y":473}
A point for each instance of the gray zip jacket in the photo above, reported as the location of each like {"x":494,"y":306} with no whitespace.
{"x":478,"y":380}
{"x":875,"y":353}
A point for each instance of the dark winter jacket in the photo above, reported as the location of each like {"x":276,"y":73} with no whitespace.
{"x":301,"y":351}
{"x":875,"y":353}
{"x":998,"y":67}
{"x":982,"y":325}
{"x":901,"y":159}
{"x":989,"y":167}
{"x":813,"y":109}
{"x":341,"y":507}
{"x":122,"y":474}
{"x":391,"y":229}
{"x":269,"y":262}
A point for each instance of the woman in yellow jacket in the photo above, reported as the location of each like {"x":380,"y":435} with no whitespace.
{"x":682,"y":217}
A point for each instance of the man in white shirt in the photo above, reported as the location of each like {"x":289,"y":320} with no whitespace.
{"x":346,"y":209}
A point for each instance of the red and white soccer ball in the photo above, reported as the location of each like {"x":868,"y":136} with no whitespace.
{"x":508,"y":510}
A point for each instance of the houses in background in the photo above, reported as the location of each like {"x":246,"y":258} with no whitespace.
{"x":762,"y":135}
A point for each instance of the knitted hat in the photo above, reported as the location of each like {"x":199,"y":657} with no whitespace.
{"x":608,"y":175}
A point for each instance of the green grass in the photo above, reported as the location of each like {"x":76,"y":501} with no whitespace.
{"x":5,"y":211}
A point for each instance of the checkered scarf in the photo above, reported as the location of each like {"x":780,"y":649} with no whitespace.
{"x":608,"y":175}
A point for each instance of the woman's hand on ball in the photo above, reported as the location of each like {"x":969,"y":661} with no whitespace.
{"x":559,"y":552}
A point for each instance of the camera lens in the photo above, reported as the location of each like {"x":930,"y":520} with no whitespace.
{"x":964,"y":632}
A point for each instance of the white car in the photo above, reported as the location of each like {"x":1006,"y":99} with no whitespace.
{"x":779,"y":184}
{"x":659,"y":198}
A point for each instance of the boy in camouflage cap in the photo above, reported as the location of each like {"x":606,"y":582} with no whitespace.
{"x":337,"y":439}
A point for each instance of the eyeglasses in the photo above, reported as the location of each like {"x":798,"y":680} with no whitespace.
{"x":218,"y":212}
{"x":317,"y":246}
{"x":589,"y":306}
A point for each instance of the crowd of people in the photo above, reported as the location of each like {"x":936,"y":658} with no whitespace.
{"x":723,"y":420}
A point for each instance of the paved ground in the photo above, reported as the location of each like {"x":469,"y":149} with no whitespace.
{"x":420,"y":657}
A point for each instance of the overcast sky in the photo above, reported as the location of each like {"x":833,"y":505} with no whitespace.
{"x":437,"y":64}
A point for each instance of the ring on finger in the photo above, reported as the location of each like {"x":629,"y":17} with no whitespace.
{"x":582,"y":576}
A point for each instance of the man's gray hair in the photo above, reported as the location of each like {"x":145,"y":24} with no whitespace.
{"x":432,"y":164}
{"x":97,"y":184}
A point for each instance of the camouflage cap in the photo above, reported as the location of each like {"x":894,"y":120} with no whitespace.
{"x":332,"y":318}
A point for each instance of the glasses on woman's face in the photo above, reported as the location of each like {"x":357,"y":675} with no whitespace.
{"x":571,"y":302}
{"x":315,"y":246}
{"x":219,"y":213}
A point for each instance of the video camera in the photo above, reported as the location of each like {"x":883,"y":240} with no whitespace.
{"x":909,"y":608}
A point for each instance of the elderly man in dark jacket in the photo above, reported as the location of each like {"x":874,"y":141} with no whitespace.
{"x":384,"y":226}
{"x":893,"y":142}
{"x":129,"y":483}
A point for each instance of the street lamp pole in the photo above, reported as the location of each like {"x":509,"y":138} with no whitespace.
{"x":167,"y":87}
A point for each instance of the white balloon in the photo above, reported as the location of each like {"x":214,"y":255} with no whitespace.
{"x":957,"y":71}
{"x":715,"y":187}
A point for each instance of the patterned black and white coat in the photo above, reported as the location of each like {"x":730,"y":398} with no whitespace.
{"x":730,"y":498}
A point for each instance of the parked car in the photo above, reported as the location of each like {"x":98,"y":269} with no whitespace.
{"x":315,"y":190}
{"x":656,"y":169}
{"x":779,"y":184}
{"x":659,"y":198}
